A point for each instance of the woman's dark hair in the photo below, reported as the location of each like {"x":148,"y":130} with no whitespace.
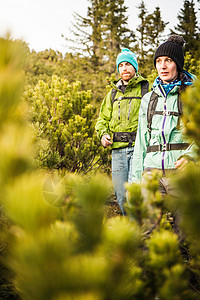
{"x":182,"y":78}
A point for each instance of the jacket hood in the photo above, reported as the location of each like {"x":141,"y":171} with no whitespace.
{"x":132,"y":82}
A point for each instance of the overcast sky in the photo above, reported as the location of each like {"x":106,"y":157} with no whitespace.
{"x":42,"y":22}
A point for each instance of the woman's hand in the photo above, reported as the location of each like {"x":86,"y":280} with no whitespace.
{"x":181,"y":163}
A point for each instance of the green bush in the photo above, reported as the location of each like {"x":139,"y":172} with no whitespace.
{"x":63,"y":120}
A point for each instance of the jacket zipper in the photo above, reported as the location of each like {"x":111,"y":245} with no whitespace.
{"x":129,"y":111}
{"x":163,"y":135}
{"x":163,"y":126}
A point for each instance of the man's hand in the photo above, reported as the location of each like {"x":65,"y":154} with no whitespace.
{"x":105,"y":140}
{"x":181,"y":163}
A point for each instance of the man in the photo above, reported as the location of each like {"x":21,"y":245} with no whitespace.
{"x":118,"y":119}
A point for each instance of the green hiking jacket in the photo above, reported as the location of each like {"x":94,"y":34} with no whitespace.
{"x":122,"y":115}
{"x":164,"y":130}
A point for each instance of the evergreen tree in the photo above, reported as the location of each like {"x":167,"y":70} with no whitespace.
{"x":151,"y":28}
{"x":87,"y":32}
{"x":191,"y":64}
{"x":94,"y":22}
{"x":103,"y":32}
{"x":42,"y":65}
{"x":142,"y":29}
{"x":155,"y":26}
{"x":115,"y":32}
{"x":188,"y":28}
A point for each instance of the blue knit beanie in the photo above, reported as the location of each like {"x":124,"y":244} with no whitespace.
{"x":128,"y":56}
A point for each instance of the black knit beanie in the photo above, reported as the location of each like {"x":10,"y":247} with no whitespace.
{"x":172,"y":48}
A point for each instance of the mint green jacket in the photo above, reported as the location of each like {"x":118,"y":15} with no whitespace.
{"x":120,"y":116}
{"x":164,"y":130}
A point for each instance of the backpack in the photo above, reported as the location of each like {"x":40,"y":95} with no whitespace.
{"x":127,"y":136}
{"x":151,"y":111}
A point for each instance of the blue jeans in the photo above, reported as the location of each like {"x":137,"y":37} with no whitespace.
{"x":121,"y":172}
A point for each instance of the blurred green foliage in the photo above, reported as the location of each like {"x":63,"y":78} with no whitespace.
{"x":56,"y":241}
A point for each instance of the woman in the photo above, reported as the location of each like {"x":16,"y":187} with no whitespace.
{"x":160,"y":143}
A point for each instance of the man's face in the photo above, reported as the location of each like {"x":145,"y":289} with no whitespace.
{"x":126,"y":71}
{"x":167,"y":69}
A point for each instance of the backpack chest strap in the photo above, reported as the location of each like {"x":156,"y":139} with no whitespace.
{"x":167,"y":147}
{"x":125,"y":98}
{"x":167,"y":113}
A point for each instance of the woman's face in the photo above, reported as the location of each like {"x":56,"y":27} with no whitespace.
{"x":166,"y":68}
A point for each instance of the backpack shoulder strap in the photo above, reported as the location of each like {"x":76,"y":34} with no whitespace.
{"x":180,"y":105}
{"x":151,"y":110}
{"x":144,"y":87}
{"x":113,"y":94}
{"x":180,"y":109}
